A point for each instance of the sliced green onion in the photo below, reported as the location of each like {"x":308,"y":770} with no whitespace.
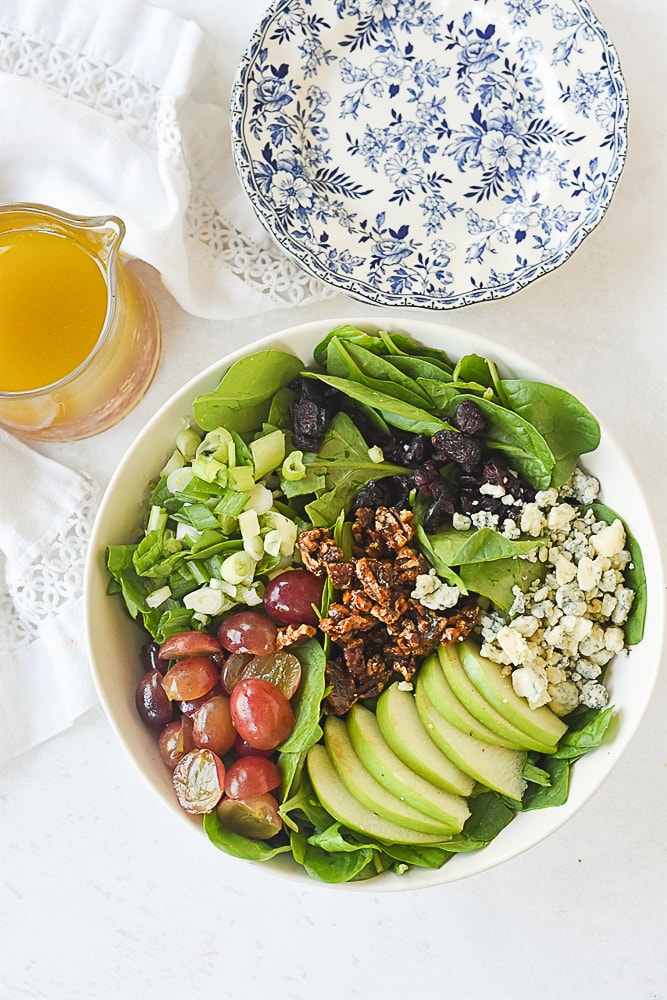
{"x":175,"y":461}
{"x":206,"y":600}
{"x":179,"y":479}
{"x":376,"y":454}
{"x":238,"y":567}
{"x":268,"y":452}
{"x":260,"y":499}
{"x":293,"y":468}
{"x":158,"y":597}
{"x":187,"y":442}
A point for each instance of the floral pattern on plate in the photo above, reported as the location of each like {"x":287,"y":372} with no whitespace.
{"x":415,"y":153}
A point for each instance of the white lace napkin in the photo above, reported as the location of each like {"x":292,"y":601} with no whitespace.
{"x":120,"y":107}
{"x":46,"y":512}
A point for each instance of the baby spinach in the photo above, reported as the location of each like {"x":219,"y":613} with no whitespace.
{"x":349,"y":360}
{"x":635,"y":577}
{"x":242,"y":399}
{"x":567,"y":426}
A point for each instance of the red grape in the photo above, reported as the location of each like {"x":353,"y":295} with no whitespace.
{"x":175,"y":741}
{"x":232,"y":670}
{"x":242,"y":748}
{"x":290,"y":596}
{"x":213,"y":726}
{"x":282,"y":669}
{"x":199,"y":781}
{"x":257,"y":818}
{"x":189,"y":644}
{"x":251,"y":776}
{"x":190,"y":678}
{"x":150,"y":656}
{"x":190,"y":707}
{"x":153,"y":704}
{"x":248,"y":632}
{"x":261,"y":713}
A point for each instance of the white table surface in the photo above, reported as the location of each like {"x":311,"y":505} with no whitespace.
{"x":103,"y":895}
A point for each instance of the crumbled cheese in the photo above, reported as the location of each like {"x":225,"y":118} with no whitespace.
{"x":461,"y":522}
{"x":434,"y":593}
{"x":610,"y":540}
{"x":584,"y":489}
{"x":484,"y":519}
{"x":492,"y":490}
{"x":532,"y":520}
{"x":530,"y":682}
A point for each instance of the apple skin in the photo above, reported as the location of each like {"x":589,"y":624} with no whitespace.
{"x":541,"y":723}
{"x":389,"y":770}
{"x":497,"y":728}
{"x":498,"y":768}
{"x":369,"y":792}
{"x":343,"y":806}
{"x":441,"y":696}
{"x":404,"y":732}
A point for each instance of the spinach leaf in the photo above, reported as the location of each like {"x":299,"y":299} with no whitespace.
{"x":590,"y":732}
{"x":237,"y":845}
{"x":349,"y":360}
{"x":554,"y":793}
{"x":634,"y":574}
{"x":497,"y":578}
{"x":568,"y":427}
{"x":489,"y":814}
{"x":307,"y":702}
{"x":394,"y":411}
{"x":459,"y":548}
{"x":242,"y":400}
{"x":344,"y":461}
{"x":526,"y":449}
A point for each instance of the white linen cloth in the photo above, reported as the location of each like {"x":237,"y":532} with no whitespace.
{"x":122,"y":108}
{"x":46,"y":512}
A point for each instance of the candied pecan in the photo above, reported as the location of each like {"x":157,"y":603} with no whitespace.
{"x":341,"y":574}
{"x":391,"y":614}
{"x":376,"y":577}
{"x":408,"y":565}
{"x":358,"y":600}
{"x":294,"y":635}
{"x":343,"y":627}
{"x":318,"y":549}
{"x":395,"y":526}
{"x":343,"y":693}
{"x":355,"y":660}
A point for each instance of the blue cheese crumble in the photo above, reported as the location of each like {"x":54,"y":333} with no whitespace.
{"x":562,"y":632}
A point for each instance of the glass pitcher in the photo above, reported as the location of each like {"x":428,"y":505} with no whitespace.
{"x":79,"y":334}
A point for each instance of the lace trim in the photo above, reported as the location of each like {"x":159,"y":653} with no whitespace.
{"x":149,"y":119}
{"x":52,"y":581}
{"x":265,"y":269}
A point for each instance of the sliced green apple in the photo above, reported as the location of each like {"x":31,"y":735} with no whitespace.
{"x":477,"y":705}
{"x":344,"y":807}
{"x":540,"y":723}
{"x":363,"y":786}
{"x":389,"y":770}
{"x":402,"y":728}
{"x":499,"y":768}
{"x":441,"y":696}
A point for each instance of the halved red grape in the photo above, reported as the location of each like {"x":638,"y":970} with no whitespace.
{"x":257,"y":818}
{"x":289,"y":597}
{"x":199,"y":781}
{"x":248,"y":632}
{"x":250,"y":776}
{"x":189,"y":644}
{"x":232,"y":670}
{"x":190,"y":707}
{"x":150,"y":657}
{"x":153,"y":704}
{"x":190,"y":678}
{"x":281,"y":669}
{"x":175,"y":741}
{"x":261,"y":713}
{"x":213,"y":728}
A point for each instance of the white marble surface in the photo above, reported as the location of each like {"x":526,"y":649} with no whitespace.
{"x":103,"y":896}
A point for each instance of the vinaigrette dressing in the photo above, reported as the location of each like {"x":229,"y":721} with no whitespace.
{"x":53,"y":303}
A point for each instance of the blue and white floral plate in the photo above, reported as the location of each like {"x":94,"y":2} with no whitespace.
{"x":429,"y":153}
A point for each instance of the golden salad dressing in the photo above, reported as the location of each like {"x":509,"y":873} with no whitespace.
{"x":53,"y":304}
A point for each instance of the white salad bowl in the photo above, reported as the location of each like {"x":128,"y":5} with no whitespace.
{"x":114,"y":640}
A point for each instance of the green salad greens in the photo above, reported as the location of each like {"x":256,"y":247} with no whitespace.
{"x":223,"y":517}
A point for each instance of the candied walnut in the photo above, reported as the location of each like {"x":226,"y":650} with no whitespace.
{"x":343,"y":693}
{"x":294,"y":635}
{"x":461,"y":623}
{"x":343,"y":626}
{"x":318,"y":549}
{"x":391,"y":614}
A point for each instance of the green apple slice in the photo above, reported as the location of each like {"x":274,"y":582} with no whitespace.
{"x":441,"y":696}
{"x":540,"y":723}
{"x":389,"y":770}
{"x":404,"y":732}
{"x":467,"y":694}
{"x":495,"y":767}
{"x":363,"y":786}
{"x":343,"y":806}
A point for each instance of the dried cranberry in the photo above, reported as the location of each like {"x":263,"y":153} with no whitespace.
{"x":469,"y":418}
{"x":373,"y":495}
{"x":458,"y":447}
{"x":439,"y":513}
